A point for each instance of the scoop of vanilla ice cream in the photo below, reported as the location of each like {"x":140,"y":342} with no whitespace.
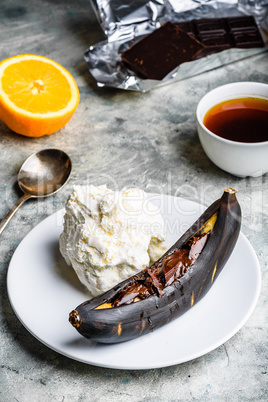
{"x":109,"y":235}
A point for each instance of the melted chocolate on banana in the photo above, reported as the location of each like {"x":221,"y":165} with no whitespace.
{"x":154,"y":280}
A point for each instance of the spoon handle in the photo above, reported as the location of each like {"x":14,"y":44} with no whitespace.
{"x":13,"y":210}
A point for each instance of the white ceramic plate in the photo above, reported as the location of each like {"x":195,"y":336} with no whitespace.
{"x":43,"y":290}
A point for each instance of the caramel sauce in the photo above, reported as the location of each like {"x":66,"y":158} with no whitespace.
{"x":241,"y":119}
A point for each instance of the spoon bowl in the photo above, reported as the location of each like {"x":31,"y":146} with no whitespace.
{"x":44,"y":173}
{"x":41,"y":175}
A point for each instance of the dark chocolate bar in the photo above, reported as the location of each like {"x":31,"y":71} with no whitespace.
{"x":219,"y":34}
{"x":161,"y":51}
{"x":173,"y":44}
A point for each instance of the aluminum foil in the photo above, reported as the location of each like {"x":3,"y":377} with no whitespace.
{"x":126,"y":21}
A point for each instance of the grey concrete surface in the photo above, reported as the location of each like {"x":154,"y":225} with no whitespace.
{"x":124,"y":139}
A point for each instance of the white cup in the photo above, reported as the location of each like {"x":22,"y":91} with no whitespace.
{"x":238,"y":158}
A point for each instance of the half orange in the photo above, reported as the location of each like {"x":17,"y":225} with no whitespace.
{"x":37,"y":95}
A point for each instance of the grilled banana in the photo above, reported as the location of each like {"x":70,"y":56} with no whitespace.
{"x":169,"y":287}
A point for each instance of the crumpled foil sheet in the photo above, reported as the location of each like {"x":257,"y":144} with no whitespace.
{"x":126,"y":21}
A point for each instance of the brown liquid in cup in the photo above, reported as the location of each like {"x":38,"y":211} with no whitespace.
{"x":241,"y":119}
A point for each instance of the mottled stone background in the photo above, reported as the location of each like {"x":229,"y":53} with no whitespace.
{"x":124,"y":139}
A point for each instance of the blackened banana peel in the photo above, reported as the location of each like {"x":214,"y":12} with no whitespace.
{"x":102,"y":320}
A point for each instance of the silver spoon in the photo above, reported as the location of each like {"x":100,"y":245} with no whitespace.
{"x":41,"y":175}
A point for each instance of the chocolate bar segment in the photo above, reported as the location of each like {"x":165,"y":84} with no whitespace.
{"x":161,"y":51}
{"x":210,"y":25}
{"x":218,"y":41}
{"x":246,"y":38}
{"x":241,"y":23}
{"x":189,"y":27}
